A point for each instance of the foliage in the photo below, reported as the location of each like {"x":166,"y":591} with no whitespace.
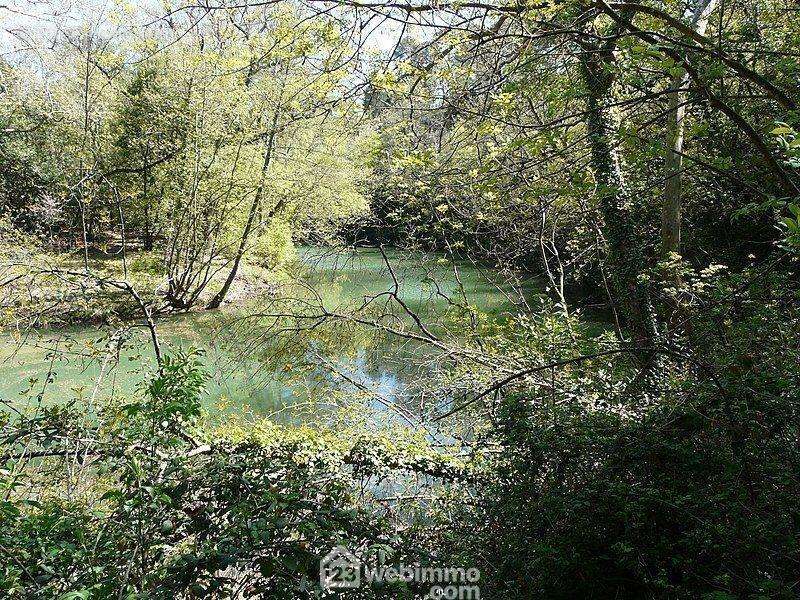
{"x":692,"y":495}
{"x":628,"y":431}
{"x":151,"y":515}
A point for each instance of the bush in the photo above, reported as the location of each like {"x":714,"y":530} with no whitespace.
{"x":151,"y":263}
{"x":686,"y":488}
{"x":155,"y":514}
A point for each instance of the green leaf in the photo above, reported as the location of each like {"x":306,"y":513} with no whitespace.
{"x":82,"y":595}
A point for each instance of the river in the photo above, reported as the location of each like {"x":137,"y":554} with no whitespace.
{"x":253,"y":367}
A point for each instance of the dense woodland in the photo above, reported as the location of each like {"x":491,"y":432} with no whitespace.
{"x":631,"y":430}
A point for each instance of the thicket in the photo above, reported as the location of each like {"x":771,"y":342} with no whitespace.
{"x":648,"y":153}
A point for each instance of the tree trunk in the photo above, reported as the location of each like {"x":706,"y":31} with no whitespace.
{"x":625,"y":247}
{"x":671,"y":207}
{"x":219,"y":297}
{"x":697,"y":16}
{"x":148,"y":232}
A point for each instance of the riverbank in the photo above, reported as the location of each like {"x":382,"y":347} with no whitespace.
{"x":55,"y":291}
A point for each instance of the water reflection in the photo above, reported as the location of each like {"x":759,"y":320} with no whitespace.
{"x":289,"y":369}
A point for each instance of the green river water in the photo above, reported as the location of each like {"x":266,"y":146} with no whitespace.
{"x":252,"y":367}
